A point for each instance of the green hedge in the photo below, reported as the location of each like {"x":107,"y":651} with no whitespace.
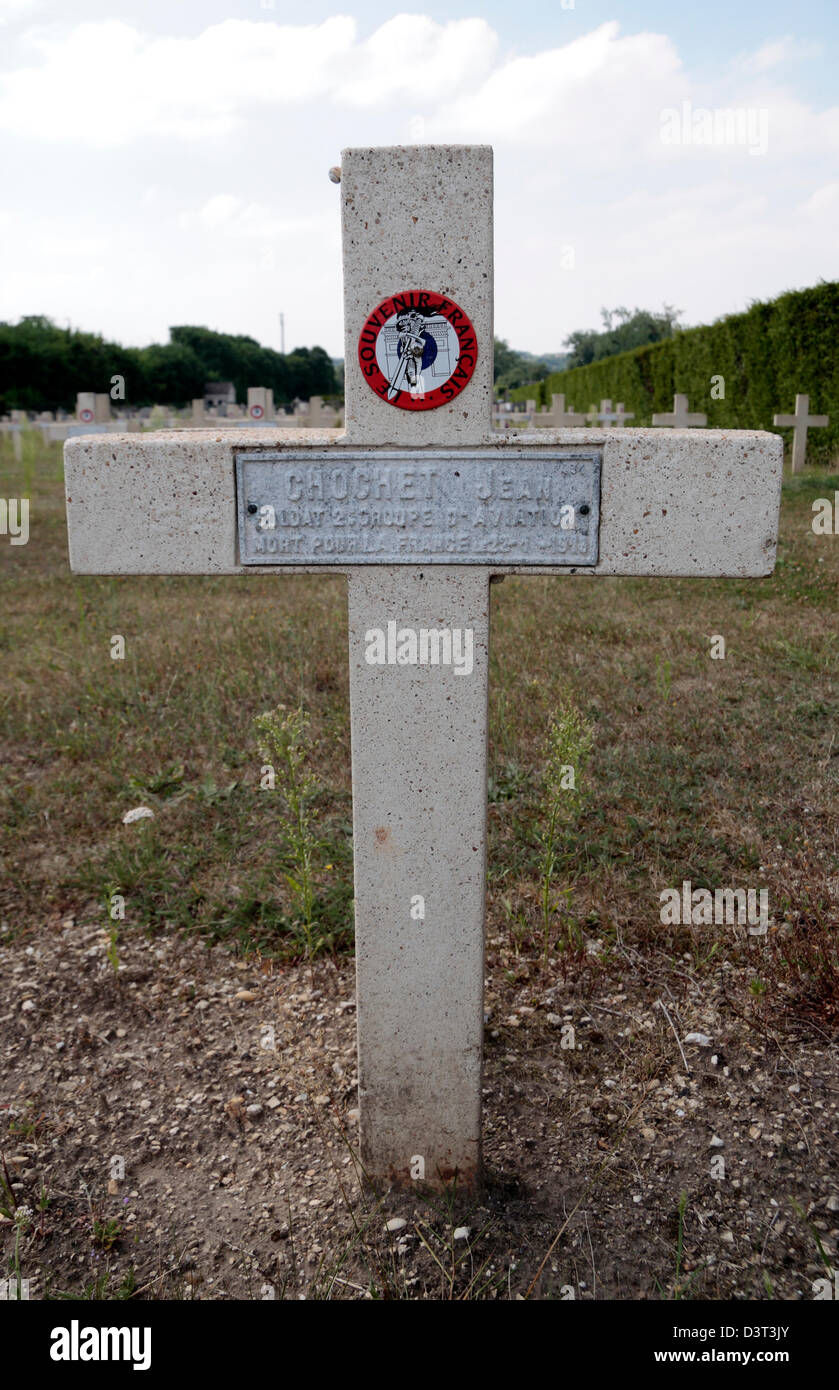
{"x":766,"y":356}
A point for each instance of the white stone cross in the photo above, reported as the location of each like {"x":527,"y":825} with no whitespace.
{"x":558,"y":417}
{"x":606,"y":416}
{"x":420,"y":505}
{"x":680,"y":419}
{"x":801,"y":422}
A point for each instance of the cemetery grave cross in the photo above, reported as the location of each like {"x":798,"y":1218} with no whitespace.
{"x":801,"y":421}
{"x":679,"y":418}
{"x":606,"y":416}
{"x":560,"y":417}
{"x":420,"y":504}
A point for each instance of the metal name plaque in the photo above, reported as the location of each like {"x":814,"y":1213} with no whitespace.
{"x":430,"y":506}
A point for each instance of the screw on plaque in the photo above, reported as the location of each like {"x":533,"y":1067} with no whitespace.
{"x":252,"y":507}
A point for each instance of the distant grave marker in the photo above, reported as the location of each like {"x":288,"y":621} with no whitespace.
{"x":260,"y":403}
{"x":680,"y":417}
{"x":606,"y":416}
{"x":558,"y":417}
{"x":621,"y":415}
{"x":801,"y":421}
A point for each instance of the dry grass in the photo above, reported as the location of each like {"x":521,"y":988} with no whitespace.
{"x":721,"y":772}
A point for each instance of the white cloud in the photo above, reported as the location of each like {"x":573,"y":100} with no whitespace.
{"x":106,"y":83}
{"x":58,"y":246}
{"x":219,"y":209}
{"x":231,"y":216}
{"x":586,"y":94}
{"x":11,"y":10}
{"x":776,"y":51}
{"x":824,"y":200}
{"x":413,"y":58}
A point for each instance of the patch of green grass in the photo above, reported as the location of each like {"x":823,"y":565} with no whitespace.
{"x":103,"y":1287}
{"x":106,"y":1233}
{"x":508,"y":782}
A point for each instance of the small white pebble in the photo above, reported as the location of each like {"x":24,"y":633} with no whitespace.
{"x":396,"y":1223}
{"x":717,"y":1143}
{"x":138,"y":813}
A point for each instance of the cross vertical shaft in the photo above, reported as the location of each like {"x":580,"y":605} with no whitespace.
{"x":419,"y":218}
{"x":419,"y":831}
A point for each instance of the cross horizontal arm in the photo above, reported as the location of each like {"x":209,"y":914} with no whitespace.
{"x":793,"y":420}
{"x":681,"y":503}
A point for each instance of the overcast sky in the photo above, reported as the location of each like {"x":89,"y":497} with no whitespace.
{"x":166,"y":162}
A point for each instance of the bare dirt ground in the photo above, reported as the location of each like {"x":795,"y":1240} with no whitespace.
{"x":228,"y":1090}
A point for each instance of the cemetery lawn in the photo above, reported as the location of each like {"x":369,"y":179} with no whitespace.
{"x":194,"y":1040}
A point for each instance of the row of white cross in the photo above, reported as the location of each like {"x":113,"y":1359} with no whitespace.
{"x":681,"y":418}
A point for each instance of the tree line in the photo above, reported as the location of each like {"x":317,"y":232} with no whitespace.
{"x":43,"y":366}
{"x":514,"y":368}
{"x":623,"y":329}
